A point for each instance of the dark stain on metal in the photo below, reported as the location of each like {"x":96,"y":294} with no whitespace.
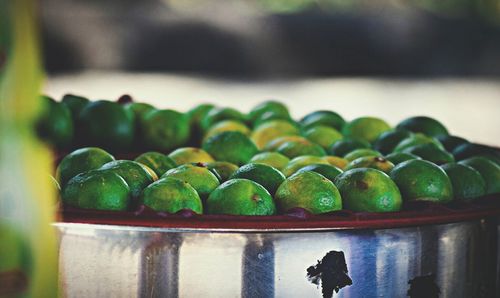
{"x":423,"y":287}
{"x":331,"y":271}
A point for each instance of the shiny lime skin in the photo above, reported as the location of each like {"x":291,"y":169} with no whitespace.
{"x":190,"y":155}
{"x":426,"y":125}
{"x":171,"y":195}
{"x":467,"y":182}
{"x":97,"y":189}
{"x":328,"y":118}
{"x":421,"y":180}
{"x":270,"y":130}
{"x":164,"y":130}
{"x":344,"y":146}
{"x":294,"y":149}
{"x":357,"y":153}
{"x":219,"y":114}
{"x":308,"y":190}
{"x":230,"y":146}
{"x":488,"y":169}
{"x":329,"y":171}
{"x":388,"y":140}
{"x":198,"y":176}
{"x":158,"y":162}
{"x":301,"y":161}
{"x":323,"y":135}
{"x":227,"y":125}
{"x":222,"y":169}
{"x":241,"y":197}
{"x":265,"y":175}
{"x":75,"y":103}
{"x":271,"y":106}
{"x":365,"y":128}
{"x":374,"y":162}
{"x":139,"y":109}
{"x":431,"y":152}
{"x":136,"y":176}
{"x":273,"y":159}
{"x":416,"y":139}
{"x":368,"y":190}
{"x":398,"y":157}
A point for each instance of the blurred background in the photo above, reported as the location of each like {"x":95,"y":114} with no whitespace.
{"x":385,"y":58}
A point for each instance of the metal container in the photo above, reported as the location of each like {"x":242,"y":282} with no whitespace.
{"x":450,"y":252}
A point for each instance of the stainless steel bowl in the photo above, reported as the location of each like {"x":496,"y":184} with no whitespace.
{"x":454,"y":254}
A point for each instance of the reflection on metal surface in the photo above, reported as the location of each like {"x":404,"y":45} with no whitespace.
{"x":110,"y":261}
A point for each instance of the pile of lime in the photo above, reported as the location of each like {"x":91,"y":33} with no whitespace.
{"x":218,"y":160}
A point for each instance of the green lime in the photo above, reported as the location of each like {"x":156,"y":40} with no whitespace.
{"x":329,"y":171}
{"x":198,"y":176}
{"x":273,"y":159}
{"x":388,"y":140}
{"x":158,"y":162}
{"x":398,"y":157}
{"x":344,"y":146}
{"x":336,"y":161}
{"x":241,"y":197}
{"x":134,"y":173}
{"x":468,"y":150}
{"x":269,"y":116}
{"x":195,"y":115}
{"x":421,"y":180}
{"x":222,"y":169}
{"x":171,"y":195}
{"x":270,"y":107}
{"x":274,"y":144}
{"x":81,"y":160}
{"x":488,"y":169}
{"x":416,"y":139}
{"x":466,"y":181}
{"x":96,"y":189}
{"x":139,"y":109}
{"x":368,"y":190}
{"x":227,"y":125}
{"x":107,"y":125}
{"x":164,"y":130}
{"x":431,"y":152}
{"x":299,"y":162}
{"x":451,"y":142}
{"x":426,"y":125}
{"x":231,"y":146}
{"x":365,"y":128}
{"x":218,"y":114}
{"x":190,"y":155}
{"x":271,"y":130}
{"x":362,"y":152}
{"x":292,"y":149}
{"x":310,"y":191}
{"x":327,"y":118}
{"x":374,"y":162}
{"x":323,"y":135}
{"x":55,"y":124}
{"x":265,"y":175}
{"x":74,"y":103}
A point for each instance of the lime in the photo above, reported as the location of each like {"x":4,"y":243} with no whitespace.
{"x":388,"y":140}
{"x":273,"y":159}
{"x":269,"y":116}
{"x":488,"y":169}
{"x":268,"y":107}
{"x":81,"y":160}
{"x":330,"y":172}
{"x":136,"y":176}
{"x":344,"y":146}
{"x":231,"y":146}
{"x":399,"y":157}
{"x":241,"y":197}
{"x":336,"y":161}
{"x":265,"y":175}
{"x":198,"y":176}
{"x":222,"y":169}
{"x":139,"y":109}
{"x":164,"y":130}
{"x":374,"y":162}
{"x":310,"y":191}
{"x":426,"y":125}
{"x":365,"y":128}
{"x":74,"y":103}
{"x":55,"y":124}
{"x":195,"y":115}
{"x":416,"y":139}
{"x":327,"y":118}
{"x":431,"y":152}
{"x":299,"y":162}
{"x":218,"y":114}
{"x":190,"y":155}
{"x":323,"y":135}
{"x":171,"y":195}
{"x":357,"y":153}
{"x":106,"y":124}
{"x":274,"y":144}
{"x":158,"y":162}
{"x":466,"y":181}
{"x":471,"y":149}
{"x":227,"y":125}
{"x":421,"y":180}
{"x":292,"y":149}
{"x":451,"y":142}
{"x":368,"y":190}
{"x":96,"y":189}
{"x":271,"y":130}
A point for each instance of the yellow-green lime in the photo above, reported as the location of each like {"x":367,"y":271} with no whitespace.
{"x":299,"y":162}
{"x":164,"y":130}
{"x":265,"y":175}
{"x":171,"y":195}
{"x":198,"y":176}
{"x":329,"y":171}
{"x":362,"y":152}
{"x":190,"y":155}
{"x":222,"y":169}
{"x":365,"y":128}
{"x":230,"y":146}
{"x":398,"y":157}
{"x":273,"y":159}
{"x":271,"y":130}
{"x":328,"y":118}
{"x":158,"y":162}
{"x":374,"y":162}
{"x":322,"y":135}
